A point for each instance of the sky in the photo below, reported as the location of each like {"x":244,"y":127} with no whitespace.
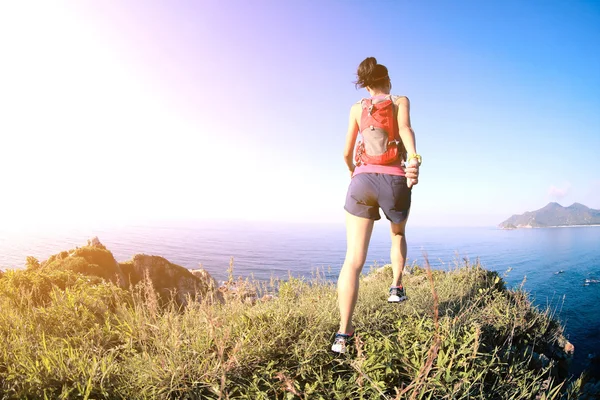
{"x":136,"y":110}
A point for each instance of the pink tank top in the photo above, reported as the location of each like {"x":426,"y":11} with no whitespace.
{"x":395,"y":168}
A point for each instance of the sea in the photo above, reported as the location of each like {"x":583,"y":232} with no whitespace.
{"x":559,"y":267}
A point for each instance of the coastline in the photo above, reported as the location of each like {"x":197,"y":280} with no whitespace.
{"x":544,"y":227}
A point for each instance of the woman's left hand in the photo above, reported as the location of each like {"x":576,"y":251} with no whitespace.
{"x":412,"y":172}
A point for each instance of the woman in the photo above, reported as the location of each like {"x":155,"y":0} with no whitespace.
{"x":385,"y":183}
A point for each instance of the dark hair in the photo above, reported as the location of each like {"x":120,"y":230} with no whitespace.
{"x":371,"y":74}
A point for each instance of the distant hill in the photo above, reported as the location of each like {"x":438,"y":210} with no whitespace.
{"x":554,"y":215}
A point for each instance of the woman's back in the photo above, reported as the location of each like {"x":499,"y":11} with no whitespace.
{"x":395,"y":167}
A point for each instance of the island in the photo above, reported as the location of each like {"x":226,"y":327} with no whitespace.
{"x":554,"y":215}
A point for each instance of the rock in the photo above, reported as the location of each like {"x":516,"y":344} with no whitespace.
{"x":239,"y":290}
{"x":93,"y":260}
{"x":167,"y":279}
{"x":170,"y":279}
{"x":592,"y":388}
{"x":95,"y":242}
{"x":267,"y":297}
{"x":540,"y":360}
{"x":564,"y":346}
{"x":569,"y":348}
{"x":204,"y":276}
{"x":561,"y":351}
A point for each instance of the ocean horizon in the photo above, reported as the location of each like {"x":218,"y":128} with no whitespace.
{"x":531,"y":258}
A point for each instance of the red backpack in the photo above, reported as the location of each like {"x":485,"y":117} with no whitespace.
{"x":381,"y":142}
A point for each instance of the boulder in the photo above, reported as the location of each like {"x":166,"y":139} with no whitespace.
{"x":569,"y":348}
{"x":203,"y":275}
{"x":564,"y":348}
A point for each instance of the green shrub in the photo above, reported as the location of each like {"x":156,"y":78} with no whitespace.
{"x":63,"y":335}
{"x":87,"y":260}
{"x":34,"y":287}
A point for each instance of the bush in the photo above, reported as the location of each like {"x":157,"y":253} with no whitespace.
{"x":69,"y":336}
{"x":88,"y":260}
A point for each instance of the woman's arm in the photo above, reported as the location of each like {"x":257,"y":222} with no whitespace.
{"x":408,"y":140}
{"x":404,"y":129}
{"x":351,"y":137}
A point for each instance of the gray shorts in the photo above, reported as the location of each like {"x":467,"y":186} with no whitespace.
{"x":368,"y":192}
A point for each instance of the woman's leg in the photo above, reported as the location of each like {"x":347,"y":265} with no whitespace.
{"x":398,"y":251}
{"x":358,"y":234}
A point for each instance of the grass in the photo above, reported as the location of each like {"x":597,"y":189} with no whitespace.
{"x":461,"y":335}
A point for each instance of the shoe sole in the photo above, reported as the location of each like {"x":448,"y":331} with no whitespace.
{"x":340,"y":349}
{"x":400,"y":300}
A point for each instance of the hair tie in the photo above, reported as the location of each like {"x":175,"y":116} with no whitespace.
{"x":380,"y":78}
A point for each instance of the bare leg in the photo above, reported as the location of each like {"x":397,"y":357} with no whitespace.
{"x":358,"y":234}
{"x":398,"y":251}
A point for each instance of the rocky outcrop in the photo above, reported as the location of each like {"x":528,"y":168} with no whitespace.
{"x":560,"y":352}
{"x":170,"y":279}
{"x":93,"y":259}
{"x":95,"y":242}
{"x":204,"y":276}
{"x":591,"y":390}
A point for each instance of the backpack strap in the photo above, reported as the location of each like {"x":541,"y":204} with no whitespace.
{"x":367,"y":105}
{"x":391,"y":135}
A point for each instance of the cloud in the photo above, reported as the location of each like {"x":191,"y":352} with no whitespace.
{"x":559,"y":192}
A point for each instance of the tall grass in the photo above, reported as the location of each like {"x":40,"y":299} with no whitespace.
{"x":461,"y":335}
